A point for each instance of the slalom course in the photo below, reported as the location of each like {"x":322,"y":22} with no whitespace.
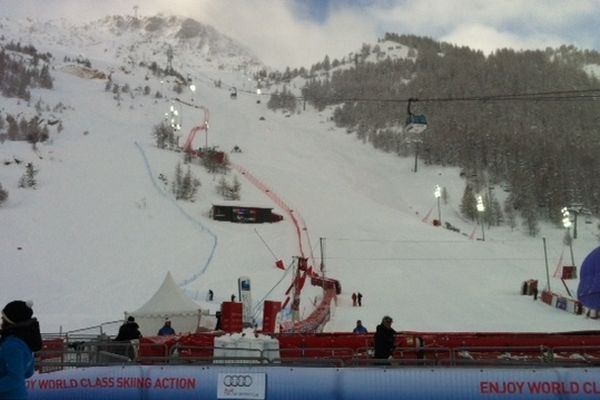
{"x":320,"y":315}
{"x":277,"y":201}
{"x":198,"y":224}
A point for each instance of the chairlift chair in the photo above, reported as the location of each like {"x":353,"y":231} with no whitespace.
{"x":415,"y":123}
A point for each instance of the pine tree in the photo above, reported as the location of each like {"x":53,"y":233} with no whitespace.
{"x":45,"y":79}
{"x":190,"y":184}
{"x":510,"y":213}
{"x":498,"y":217}
{"x":177,"y":182}
{"x":28,"y":179}
{"x":468,"y":205}
{"x":13,"y":128}
{"x":222,"y":187}
{"x":234,"y":192}
{"x":164,"y":136}
{"x":3,"y":194}
{"x":530,"y":222}
{"x":184,"y":186}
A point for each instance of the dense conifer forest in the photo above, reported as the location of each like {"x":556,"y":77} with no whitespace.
{"x":527,"y":121}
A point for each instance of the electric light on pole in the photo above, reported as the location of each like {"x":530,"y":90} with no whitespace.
{"x":567,"y":224}
{"x":437,"y":192}
{"x":173,"y":118}
{"x":480,"y":210}
{"x":566,"y":217}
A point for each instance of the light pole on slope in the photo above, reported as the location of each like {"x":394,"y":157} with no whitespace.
{"x":567,"y":224}
{"x":480,"y":210}
{"x":437,"y":192}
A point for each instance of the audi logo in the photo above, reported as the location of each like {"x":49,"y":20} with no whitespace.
{"x":237,"y":380}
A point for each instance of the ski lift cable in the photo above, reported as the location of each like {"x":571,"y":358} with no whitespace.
{"x":556,"y":95}
{"x":553,"y":95}
{"x":349,"y":239}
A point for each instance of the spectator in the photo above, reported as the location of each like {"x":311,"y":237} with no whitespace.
{"x":359,"y":298}
{"x":166,"y":329}
{"x":130,"y":330}
{"x":210,"y":295}
{"x":19,"y":338}
{"x":353,"y":299}
{"x":218,"y":327}
{"x":420,"y":345}
{"x":360,"y":328}
{"x":384,"y":339}
{"x":232,"y":298}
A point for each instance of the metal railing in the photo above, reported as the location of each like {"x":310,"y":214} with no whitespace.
{"x":106,"y":352}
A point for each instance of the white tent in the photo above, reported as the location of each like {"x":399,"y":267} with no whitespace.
{"x":171,"y":302}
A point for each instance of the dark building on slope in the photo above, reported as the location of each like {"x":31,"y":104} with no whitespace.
{"x":236,"y":211}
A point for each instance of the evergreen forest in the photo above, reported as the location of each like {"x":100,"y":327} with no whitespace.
{"x":526,"y":120}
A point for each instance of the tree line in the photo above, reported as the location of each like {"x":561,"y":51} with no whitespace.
{"x":19,"y":74}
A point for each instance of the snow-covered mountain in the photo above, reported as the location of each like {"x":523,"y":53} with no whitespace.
{"x":101,"y":229}
{"x":125,"y":42}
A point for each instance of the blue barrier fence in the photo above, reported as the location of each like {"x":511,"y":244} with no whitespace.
{"x":304,"y":383}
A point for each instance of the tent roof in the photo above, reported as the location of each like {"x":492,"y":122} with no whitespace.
{"x":168,"y":299}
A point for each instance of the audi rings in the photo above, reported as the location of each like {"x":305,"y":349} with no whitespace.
{"x":237,"y":381}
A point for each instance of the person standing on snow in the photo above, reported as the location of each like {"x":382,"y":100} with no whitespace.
{"x":19,"y":338}
{"x":353,"y":299}
{"x":384,"y":339}
{"x":359,"y":298}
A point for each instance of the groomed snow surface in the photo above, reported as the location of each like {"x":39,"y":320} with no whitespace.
{"x":99,"y":233}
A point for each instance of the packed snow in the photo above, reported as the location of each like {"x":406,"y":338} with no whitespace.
{"x":100,"y":231}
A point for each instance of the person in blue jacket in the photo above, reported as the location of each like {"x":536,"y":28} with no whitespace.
{"x":19,"y":338}
{"x":166,"y":329}
{"x":360,"y":328}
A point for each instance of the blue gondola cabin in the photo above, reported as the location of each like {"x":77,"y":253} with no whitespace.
{"x":416,"y":123}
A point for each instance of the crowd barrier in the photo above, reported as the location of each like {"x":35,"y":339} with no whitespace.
{"x":303,"y":383}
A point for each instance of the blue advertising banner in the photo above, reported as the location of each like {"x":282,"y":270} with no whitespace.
{"x":297,"y":383}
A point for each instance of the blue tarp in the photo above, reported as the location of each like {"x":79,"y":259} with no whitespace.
{"x":588,"y":291}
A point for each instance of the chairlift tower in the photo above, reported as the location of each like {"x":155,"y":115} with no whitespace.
{"x":415,"y":125}
{"x":575,"y":209}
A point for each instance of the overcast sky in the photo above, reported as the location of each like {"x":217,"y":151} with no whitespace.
{"x":301,"y":32}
